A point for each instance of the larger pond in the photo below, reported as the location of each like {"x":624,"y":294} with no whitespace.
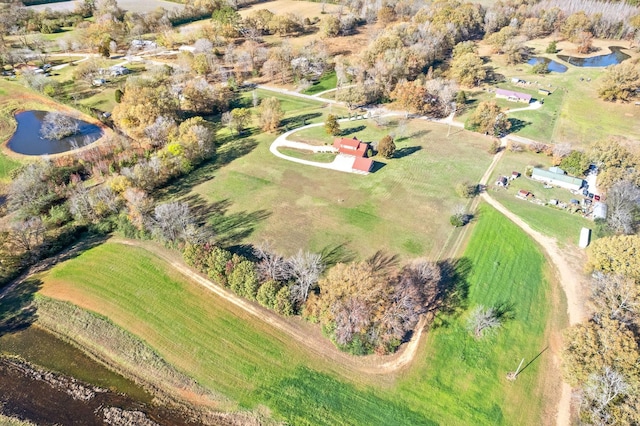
{"x":552,"y":65}
{"x":615,"y":57}
{"x":27,"y":140}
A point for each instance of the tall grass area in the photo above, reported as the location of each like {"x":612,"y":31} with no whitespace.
{"x":455,"y":379}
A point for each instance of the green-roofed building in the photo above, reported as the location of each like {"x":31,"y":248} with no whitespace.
{"x":556,"y":176}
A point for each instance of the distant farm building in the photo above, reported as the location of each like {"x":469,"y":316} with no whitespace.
{"x":524,"y":194}
{"x":557,"y":177}
{"x":599,"y":210}
{"x":356,"y":149}
{"x":512,"y":96}
{"x":515,"y":175}
{"x":502,"y":181}
{"x":544,"y":92}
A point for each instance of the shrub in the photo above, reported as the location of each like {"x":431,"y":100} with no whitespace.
{"x":552,"y":47}
{"x":494,"y":148}
{"x":267,"y":294}
{"x":467,"y":190}
{"x":457,"y":220}
{"x":386,"y":147}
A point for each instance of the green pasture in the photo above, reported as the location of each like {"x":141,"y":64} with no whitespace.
{"x":555,"y":222}
{"x":403,"y":206}
{"x":455,"y":379}
{"x":326,"y":82}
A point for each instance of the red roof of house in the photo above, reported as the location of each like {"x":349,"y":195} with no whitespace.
{"x":362,"y":164}
{"x":351,"y":146}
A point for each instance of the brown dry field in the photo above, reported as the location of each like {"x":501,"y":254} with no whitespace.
{"x":305,"y":9}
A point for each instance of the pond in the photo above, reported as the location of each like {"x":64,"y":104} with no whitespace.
{"x":27,"y":140}
{"x":615,"y":57}
{"x":552,"y":65}
{"x":45,"y":395}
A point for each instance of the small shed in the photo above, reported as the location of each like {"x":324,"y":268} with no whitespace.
{"x":544,"y":92}
{"x":599,"y":210}
{"x":524,"y":194}
{"x":553,"y":202}
{"x":502,"y":181}
{"x":515,"y":175}
{"x":585,"y":237}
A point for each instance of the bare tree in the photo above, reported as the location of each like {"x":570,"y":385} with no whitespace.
{"x":159,"y":132}
{"x":561,"y":150}
{"x":272,"y":266}
{"x":27,"y":234}
{"x":483,"y":319}
{"x":173,"y":221}
{"x":602,"y":390}
{"x":623,"y":201}
{"x":616,"y":297}
{"x":306,"y":268}
{"x":57,"y":126}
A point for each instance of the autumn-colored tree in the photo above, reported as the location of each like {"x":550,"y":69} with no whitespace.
{"x":270,"y":114}
{"x":331,"y":126}
{"x":468,"y":69}
{"x":240,"y":118}
{"x":386,"y":15}
{"x":619,"y":254}
{"x":575,"y":25}
{"x":489,"y":118}
{"x":620,"y":82}
{"x":386,"y":147}
{"x":591,"y":346}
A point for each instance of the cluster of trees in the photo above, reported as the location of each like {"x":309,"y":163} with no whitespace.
{"x":277,"y":283}
{"x":602,"y":356}
{"x":369,"y":306}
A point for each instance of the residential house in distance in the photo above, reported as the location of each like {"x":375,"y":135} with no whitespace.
{"x":512,"y":96}
{"x":357,"y":149}
{"x":502,"y":181}
{"x":557,"y":177}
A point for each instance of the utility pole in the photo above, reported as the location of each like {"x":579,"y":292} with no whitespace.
{"x":514,"y":374}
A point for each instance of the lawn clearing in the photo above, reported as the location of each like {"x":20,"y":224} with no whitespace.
{"x":455,"y":380}
{"x":404,"y":206}
{"x":548,"y":220}
{"x":326,"y":82}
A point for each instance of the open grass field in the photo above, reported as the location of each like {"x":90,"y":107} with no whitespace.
{"x":455,"y":380}
{"x":578,"y":116}
{"x":404,"y":206}
{"x":323,"y":157}
{"x":557,"y":223}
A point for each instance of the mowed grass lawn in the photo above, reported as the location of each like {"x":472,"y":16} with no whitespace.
{"x":455,"y":379}
{"x":558,"y":223}
{"x":403,"y":207}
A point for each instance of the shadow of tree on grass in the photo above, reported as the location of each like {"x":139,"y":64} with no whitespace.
{"x":408,"y":150}
{"x":17,"y":310}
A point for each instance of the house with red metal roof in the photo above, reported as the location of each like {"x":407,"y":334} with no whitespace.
{"x":351,"y":146}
